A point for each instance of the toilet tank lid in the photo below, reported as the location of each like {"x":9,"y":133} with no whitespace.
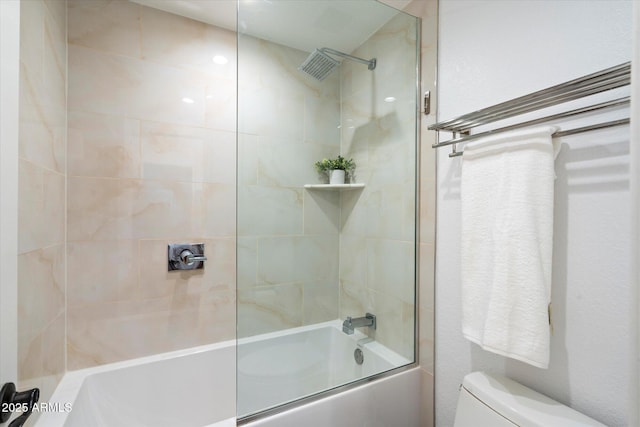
{"x":521,"y":405}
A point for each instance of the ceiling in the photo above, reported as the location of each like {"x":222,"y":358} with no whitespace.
{"x":221,"y":13}
{"x":302,"y":24}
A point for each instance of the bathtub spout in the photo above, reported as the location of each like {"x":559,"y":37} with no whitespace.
{"x":349,"y":325}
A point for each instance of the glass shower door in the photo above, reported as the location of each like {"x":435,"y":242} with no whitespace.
{"x":325,"y":272}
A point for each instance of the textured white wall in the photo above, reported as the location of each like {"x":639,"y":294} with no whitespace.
{"x":634,"y":410}
{"x":491,"y":51}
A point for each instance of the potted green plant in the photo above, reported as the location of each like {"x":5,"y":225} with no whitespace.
{"x":336,"y":168}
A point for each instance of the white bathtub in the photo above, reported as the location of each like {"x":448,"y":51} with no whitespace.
{"x":197,"y":387}
{"x":277,"y":368}
{"x":186,"y":388}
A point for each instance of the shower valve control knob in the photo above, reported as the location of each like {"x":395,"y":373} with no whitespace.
{"x":189,"y":258}
{"x":186,"y":256}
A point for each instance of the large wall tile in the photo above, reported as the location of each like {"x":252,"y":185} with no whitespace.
{"x":54,"y":60}
{"x":217,"y":317}
{"x":354,"y":79}
{"x":41,"y":289}
{"x":42,"y":131}
{"x":355,"y":299}
{"x":53,"y":348}
{"x":247,"y":264}
{"x":103,"y":146}
{"x":119,"y":85}
{"x":390,"y":268}
{"x":321,"y":212}
{"x":189,"y":44}
{"x":108,"y":332}
{"x":395,"y":324}
{"x":43,"y":55}
{"x":107,"y":209}
{"x":41,"y":200}
{"x":247,"y":164}
{"x":269,"y":308}
{"x":29,"y":357}
{"x":220,"y":104}
{"x":32,"y":37}
{"x":269,"y":111}
{"x":42,"y":86}
{"x":111,"y":26}
{"x":181,"y":153}
{"x":384,"y":212}
{"x":297,"y":259}
{"x":353,"y":259}
{"x":354,"y":213}
{"x":285,"y":163}
{"x":390,"y":212}
{"x":269,"y":210}
{"x":322,"y":121}
{"x":278,"y":67}
{"x":392,"y":163}
{"x":193,"y":45}
{"x":101,"y":271}
{"x":57,"y":13}
{"x":320,"y":301}
{"x":41,"y":318}
{"x":217,"y":211}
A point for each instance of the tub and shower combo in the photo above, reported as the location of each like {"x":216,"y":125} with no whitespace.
{"x":196,"y":387}
{"x":325,"y":278}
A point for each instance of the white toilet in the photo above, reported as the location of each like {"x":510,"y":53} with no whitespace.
{"x":496,"y":401}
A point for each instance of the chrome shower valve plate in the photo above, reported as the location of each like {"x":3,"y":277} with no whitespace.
{"x":185,"y":256}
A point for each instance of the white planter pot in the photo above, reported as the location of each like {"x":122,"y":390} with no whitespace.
{"x":336,"y":176}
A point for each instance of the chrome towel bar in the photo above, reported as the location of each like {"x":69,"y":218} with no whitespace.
{"x":610,"y":78}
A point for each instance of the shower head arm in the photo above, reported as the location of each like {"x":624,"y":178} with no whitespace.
{"x":371,"y":64}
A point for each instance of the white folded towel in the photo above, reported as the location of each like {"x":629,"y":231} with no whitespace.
{"x":507,"y":241}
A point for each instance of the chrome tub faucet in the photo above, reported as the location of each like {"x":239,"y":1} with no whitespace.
{"x":349,"y":325}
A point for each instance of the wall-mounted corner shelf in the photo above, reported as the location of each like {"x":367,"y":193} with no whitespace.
{"x":333,"y":187}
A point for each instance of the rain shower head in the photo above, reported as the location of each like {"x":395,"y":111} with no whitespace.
{"x":319,"y":64}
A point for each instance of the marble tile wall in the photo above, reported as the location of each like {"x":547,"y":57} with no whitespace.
{"x":377,"y":253}
{"x":146,"y":169}
{"x":151,"y":143}
{"x":41,"y":203}
{"x":288,"y":236}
